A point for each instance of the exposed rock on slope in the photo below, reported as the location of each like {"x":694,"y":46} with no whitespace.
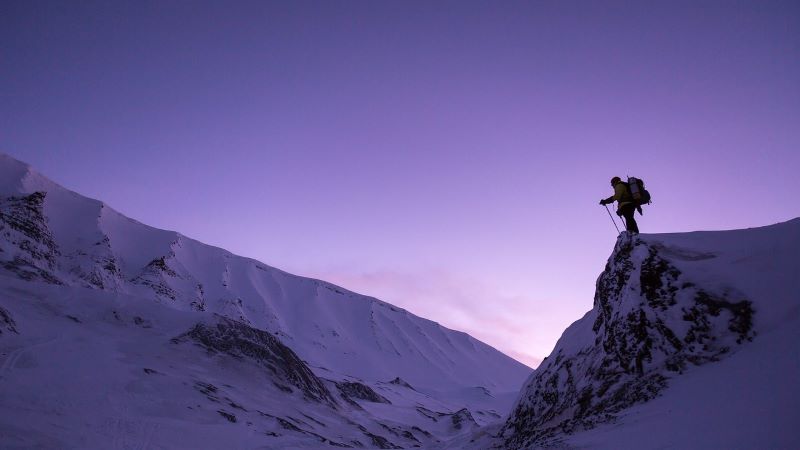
{"x":355,"y":390}
{"x":241,"y":341}
{"x":28,"y":247}
{"x":6,"y":322}
{"x":649,"y":323}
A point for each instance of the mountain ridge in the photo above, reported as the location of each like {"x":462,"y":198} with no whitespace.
{"x":119,"y":335}
{"x":126,"y":255}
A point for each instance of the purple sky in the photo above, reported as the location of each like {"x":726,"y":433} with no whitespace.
{"x":446,"y":157}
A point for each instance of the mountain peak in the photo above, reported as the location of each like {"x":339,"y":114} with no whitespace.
{"x":12,"y":175}
{"x":19,"y":178}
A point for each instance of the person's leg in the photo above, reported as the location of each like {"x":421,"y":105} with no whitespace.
{"x":630,"y":222}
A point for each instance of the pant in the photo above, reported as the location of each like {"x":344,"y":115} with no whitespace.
{"x":627,"y":212}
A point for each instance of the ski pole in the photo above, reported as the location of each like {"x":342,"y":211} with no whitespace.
{"x":612,"y":218}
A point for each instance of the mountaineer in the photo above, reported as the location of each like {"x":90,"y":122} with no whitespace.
{"x":628,"y":202}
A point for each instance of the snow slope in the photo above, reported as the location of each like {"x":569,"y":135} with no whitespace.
{"x":131,"y":284}
{"x":89,"y":369}
{"x":693,"y":342}
{"x":329,"y":326}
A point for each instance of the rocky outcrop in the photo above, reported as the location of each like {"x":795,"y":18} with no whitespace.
{"x":27,"y":248}
{"x":156,"y":275}
{"x":354,"y":390}
{"x":7,"y":322}
{"x":457,"y":420}
{"x":463,"y":418}
{"x":241,"y":341}
{"x":401,"y":382}
{"x":94,"y":266}
{"x":649,"y":323}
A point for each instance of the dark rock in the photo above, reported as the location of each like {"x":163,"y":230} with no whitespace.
{"x":156,"y":275}
{"x":208,"y":389}
{"x":458,"y":419}
{"x":231,"y":417}
{"x":287,"y":425}
{"x":235,"y":405}
{"x":399,"y":432}
{"x":462,"y":418}
{"x":380,"y":441}
{"x":314,"y":420}
{"x":355,"y":390}
{"x":400,"y":382}
{"x":28,"y":271}
{"x":433,"y":415}
{"x":141,"y":322}
{"x":7,"y":321}
{"x":160,"y":265}
{"x":33,"y":252}
{"x":282,"y":387}
{"x":423,"y":432}
{"x":244,"y":342}
{"x":638,"y":346}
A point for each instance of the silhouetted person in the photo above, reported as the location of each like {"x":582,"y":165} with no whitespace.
{"x":625,"y":204}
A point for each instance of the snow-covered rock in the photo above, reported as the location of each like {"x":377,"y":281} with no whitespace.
{"x":667,"y":308}
{"x":241,"y":341}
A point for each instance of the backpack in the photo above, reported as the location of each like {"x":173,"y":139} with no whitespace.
{"x":640,"y":195}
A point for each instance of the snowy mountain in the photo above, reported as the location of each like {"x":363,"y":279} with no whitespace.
{"x":693,"y":342}
{"x":116,"y":334}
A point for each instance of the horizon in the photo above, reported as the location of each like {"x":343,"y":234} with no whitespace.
{"x":446,"y":158}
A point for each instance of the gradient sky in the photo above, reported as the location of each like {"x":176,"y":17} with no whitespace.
{"x":444,"y":156}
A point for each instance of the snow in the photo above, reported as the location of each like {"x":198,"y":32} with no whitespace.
{"x":762,"y":263}
{"x":94,"y":369}
{"x":329,"y":326}
{"x":94,"y":362}
{"x":746,"y":399}
{"x":74,"y":356}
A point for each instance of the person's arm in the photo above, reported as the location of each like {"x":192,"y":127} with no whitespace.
{"x":619,"y":191}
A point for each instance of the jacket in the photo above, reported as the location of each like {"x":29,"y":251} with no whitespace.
{"x":622,"y":195}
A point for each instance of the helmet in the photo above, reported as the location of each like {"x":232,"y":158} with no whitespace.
{"x":615,"y":180}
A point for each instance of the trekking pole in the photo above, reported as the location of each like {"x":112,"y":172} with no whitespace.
{"x":612,"y":218}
